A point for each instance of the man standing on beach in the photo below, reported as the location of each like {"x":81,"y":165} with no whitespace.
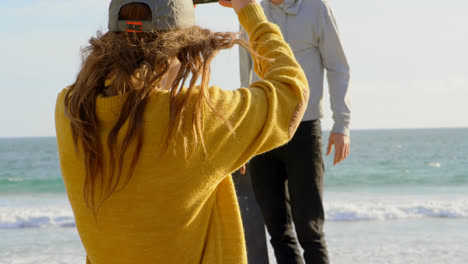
{"x":288,"y":181}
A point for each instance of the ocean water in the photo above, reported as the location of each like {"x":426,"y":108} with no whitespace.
{"x":400,"y":197}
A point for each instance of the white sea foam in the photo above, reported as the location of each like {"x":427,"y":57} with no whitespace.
{"x":15,"y":179}
{"x":395,"y":209}
{"x":16,"y":216}
{"x":33,"y":213}
{"x":434,"y":164}
{"x":33,"y":218}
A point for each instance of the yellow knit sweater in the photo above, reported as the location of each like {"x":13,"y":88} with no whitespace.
{"x":179,"y":211}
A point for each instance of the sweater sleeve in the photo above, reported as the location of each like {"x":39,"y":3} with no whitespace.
{"x":267,"y":113}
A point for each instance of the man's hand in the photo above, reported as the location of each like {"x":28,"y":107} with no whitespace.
{"x":342,"y":144}
{"x":243,"y":169}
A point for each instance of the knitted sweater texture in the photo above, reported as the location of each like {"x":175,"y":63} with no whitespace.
{"x":179,"y":210}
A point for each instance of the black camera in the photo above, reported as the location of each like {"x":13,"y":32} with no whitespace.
{"x":204,"y":1}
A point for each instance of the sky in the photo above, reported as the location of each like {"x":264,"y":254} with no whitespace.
{"x":408,"y":60}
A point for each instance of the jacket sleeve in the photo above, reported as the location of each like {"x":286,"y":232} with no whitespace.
{"x":334,"y":61}
{"x":264,"y":115}
{"x":245,"y":63}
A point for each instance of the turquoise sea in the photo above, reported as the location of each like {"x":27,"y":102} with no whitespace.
{"x":400,"y":197}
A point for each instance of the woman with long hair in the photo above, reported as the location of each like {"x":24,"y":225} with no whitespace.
{"x":146,"y":153}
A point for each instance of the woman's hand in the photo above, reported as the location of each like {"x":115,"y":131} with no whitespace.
{"x":237,"y":5}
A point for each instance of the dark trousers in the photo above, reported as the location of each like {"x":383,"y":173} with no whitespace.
{"x":288,"y":186}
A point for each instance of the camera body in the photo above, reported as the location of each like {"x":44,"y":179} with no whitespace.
{"x":204,"y":1}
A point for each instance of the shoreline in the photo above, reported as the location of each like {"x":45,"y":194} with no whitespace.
{"x":403,"y":129}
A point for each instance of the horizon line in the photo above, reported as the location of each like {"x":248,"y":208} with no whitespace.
{"x":324,"y":130}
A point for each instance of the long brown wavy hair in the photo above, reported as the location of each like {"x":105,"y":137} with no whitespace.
{"x":137,"y":63}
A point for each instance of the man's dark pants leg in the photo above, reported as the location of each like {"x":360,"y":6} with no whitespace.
{"x":288,"y":186}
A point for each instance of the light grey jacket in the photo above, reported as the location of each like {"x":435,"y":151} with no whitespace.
{"x":310,"y":29}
